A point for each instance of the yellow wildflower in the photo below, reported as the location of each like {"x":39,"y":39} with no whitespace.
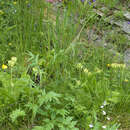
{"x":108,"y":65}
{"x":116,"y":65}
{"x":126,"y":80}
{"x":4,"y":67}
{"x":14,"y":3}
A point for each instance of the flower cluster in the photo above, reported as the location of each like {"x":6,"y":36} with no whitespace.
{"x":104,"y":114}
{"x":12,"y":62}
{"x":79,"y":66}
{"x":116,"y":65}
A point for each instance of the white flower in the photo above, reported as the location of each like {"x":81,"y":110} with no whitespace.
{"x":108,"y":118}
{"x":104,"y":113}
{"x":102,"y":106}
{"x":105,"y":103}
{"x":104,"y":127}
{"x":91,"y":125}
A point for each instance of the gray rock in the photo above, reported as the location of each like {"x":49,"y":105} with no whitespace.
{"x":127,"y":57}
{"x":127,"y":15}
{"x":122,"y":24}
{"x":126,"y":27}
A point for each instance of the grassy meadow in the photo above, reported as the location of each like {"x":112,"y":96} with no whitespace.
{"x":52,"y":76}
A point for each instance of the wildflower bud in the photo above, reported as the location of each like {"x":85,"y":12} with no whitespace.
{"x":108,"y":118}
{"x":108,"y":65}
{"x":104,"y":113}
{"x":91,"y":125}
{"x":104,"y":127}
{"x":102,"y":106}
{"x":4,"y":67}
{"x":14,"y":59}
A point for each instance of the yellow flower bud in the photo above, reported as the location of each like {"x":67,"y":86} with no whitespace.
{"x":14,"y":3}
{"x":4,"y":67}
{"x":116,"y":65}
{"x":108,"y":65}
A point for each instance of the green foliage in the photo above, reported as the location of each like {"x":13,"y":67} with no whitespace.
{"x":16,"y":113}
{"x":60,"y":81}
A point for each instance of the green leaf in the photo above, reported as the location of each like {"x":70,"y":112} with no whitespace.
{"x":15,"y":114}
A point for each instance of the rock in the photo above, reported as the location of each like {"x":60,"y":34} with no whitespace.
{"x":127,"y":15}
{"x":126,"y":27}
{"x":127,"y":57}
